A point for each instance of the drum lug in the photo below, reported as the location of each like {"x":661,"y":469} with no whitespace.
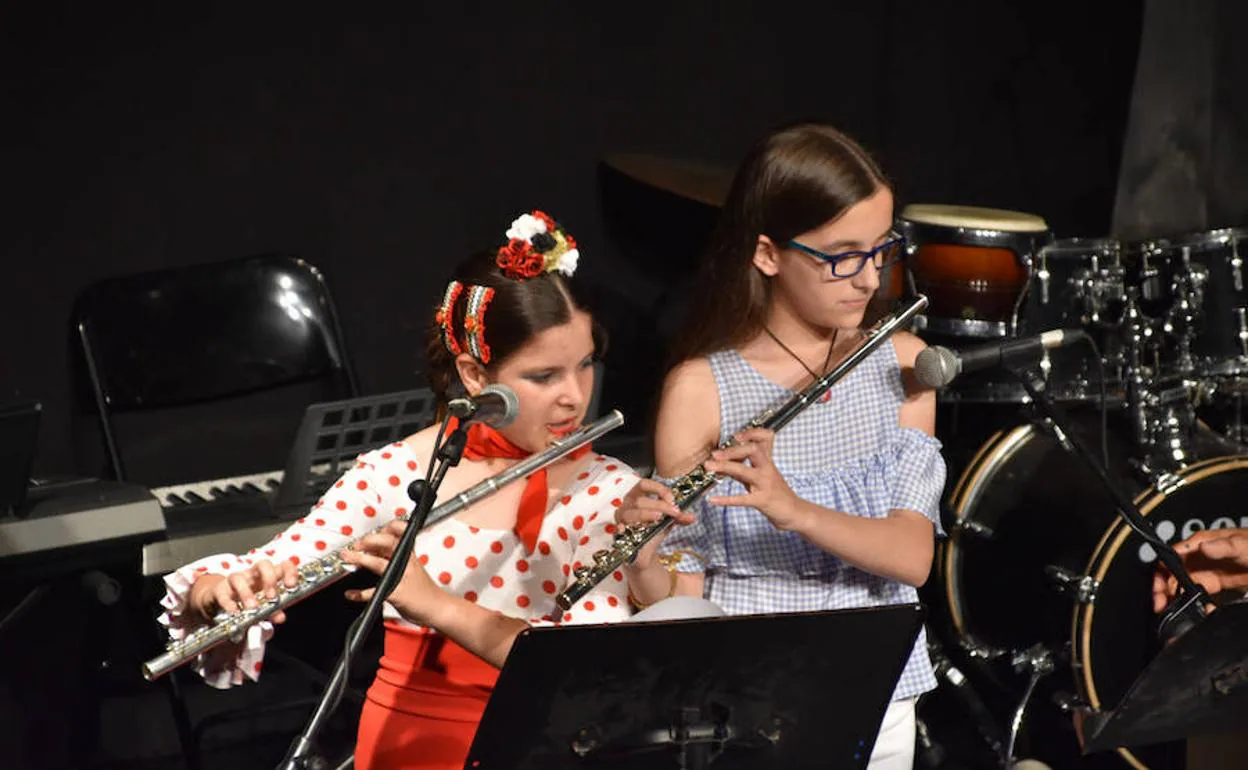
{"x":1080,"y":587}
{"x":1241,"y":329}
{"x":1167,"y":482}
{"x":1036,"y":660}
{"x":1067,"y":703}
{"x":1237,"y":264}
{"x":972,"y":527}
{"x":1058,"y":434}
{"x":977,"y":650}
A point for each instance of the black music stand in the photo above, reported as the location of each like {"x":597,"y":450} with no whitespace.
{"x":1197,"y":684}
{"x":751,"y":691}
{"x":333,"y":433}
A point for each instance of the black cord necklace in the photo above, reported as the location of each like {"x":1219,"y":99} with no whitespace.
{"x":796,"y":357}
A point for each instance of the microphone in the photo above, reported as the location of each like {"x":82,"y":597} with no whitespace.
{"x":496,"y":406}
{"x":936,"y":367}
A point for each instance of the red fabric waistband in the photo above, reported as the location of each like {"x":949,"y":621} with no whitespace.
{"x":424,"y":673}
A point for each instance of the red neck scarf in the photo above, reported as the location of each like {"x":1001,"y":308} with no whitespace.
{"x":485,"y":443}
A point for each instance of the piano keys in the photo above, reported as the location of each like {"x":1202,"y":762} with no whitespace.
{"x":198,"y":492}
{"x":226,"y":515}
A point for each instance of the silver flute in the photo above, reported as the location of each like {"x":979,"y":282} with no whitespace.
{"x":319,"y":573}
{"x":693,"y":485}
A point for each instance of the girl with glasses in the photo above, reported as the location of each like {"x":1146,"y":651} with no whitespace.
{"x":840,"y":509}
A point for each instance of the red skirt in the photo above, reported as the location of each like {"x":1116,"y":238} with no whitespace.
{"x":423,"y":708}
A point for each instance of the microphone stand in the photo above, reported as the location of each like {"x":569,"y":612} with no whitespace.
{"x":423,"y":492}
{"x":1188,"y":606}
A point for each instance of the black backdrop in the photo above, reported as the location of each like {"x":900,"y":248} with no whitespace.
{"x":383,"y":145}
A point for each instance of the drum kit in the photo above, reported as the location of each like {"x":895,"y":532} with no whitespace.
{"x":1041,"y":592}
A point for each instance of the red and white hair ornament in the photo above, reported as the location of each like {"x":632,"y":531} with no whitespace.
{"x":446,"y":317}
{"x":536,"y":244}
{"x":474,"y":322}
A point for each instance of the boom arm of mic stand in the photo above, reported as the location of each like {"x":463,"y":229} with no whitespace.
{"x":301,"y":754}
{"x":1188,"y":606}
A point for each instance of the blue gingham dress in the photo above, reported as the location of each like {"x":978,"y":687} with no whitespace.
{"x":848,"y":454}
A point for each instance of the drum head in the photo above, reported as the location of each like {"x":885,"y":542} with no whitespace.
{"x":974,"y":217}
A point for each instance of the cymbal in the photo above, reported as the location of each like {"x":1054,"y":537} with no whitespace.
{"x":701,"y":182}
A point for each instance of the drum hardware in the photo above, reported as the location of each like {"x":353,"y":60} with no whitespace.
{"x":1082,"y":588}
{"x":1043,"y":275}
{"x":1194,"y":285}
{"x":1068,"y":703}
{"x":1045,"y":367}
{"x":1167,"y":482}
{"x":945,"y":670}
{"x":1164,"y":480}
{"x":977,"y":650}
{"x":1149,"y":276}
{"x":1097,"y":287}
{"x":1125,"y":505}
{"x":1056,"y":432}
{"x":1037,"y":663}
{"x":1241,"y":330}
{"x":1237,"y":264}
{"x":978,"y":529}
{"x":1169,"y":420}
{"x":1136,"y":333}
{"x":1188,"y":289}
{"x":1162,"y":418}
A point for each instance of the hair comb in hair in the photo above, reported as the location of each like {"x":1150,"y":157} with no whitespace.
{"x":536,"y":244}
{"x":446,"y":314}
{"x":474,"y":322}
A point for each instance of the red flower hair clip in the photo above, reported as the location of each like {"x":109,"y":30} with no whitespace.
{"x":535,"y":245}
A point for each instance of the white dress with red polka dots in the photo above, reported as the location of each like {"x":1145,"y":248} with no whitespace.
{"x":486,"y":566}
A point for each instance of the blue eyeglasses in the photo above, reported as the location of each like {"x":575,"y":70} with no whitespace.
{"x":847,"y":264}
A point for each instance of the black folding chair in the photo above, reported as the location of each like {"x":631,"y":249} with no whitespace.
{"x":203,"y":372}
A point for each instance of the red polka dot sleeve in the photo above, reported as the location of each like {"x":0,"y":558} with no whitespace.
{"x":364,"y":498}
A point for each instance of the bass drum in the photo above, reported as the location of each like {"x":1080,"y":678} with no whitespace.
{"x":1037,"y":556}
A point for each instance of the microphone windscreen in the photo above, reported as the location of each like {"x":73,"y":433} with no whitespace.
{"x":935,"y":367}
{"x":511,"y":404}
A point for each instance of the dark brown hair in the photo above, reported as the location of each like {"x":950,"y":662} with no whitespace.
{"x":793,"y":180}
{"x":519,"y":310}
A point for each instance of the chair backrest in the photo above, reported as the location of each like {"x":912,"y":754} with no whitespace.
{"x":166,"y":349}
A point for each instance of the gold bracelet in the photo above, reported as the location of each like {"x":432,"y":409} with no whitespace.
{"x":669,"y":563}
{"x":639,"y":604}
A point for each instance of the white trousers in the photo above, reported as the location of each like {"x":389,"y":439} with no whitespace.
{"x":894,"y":746}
